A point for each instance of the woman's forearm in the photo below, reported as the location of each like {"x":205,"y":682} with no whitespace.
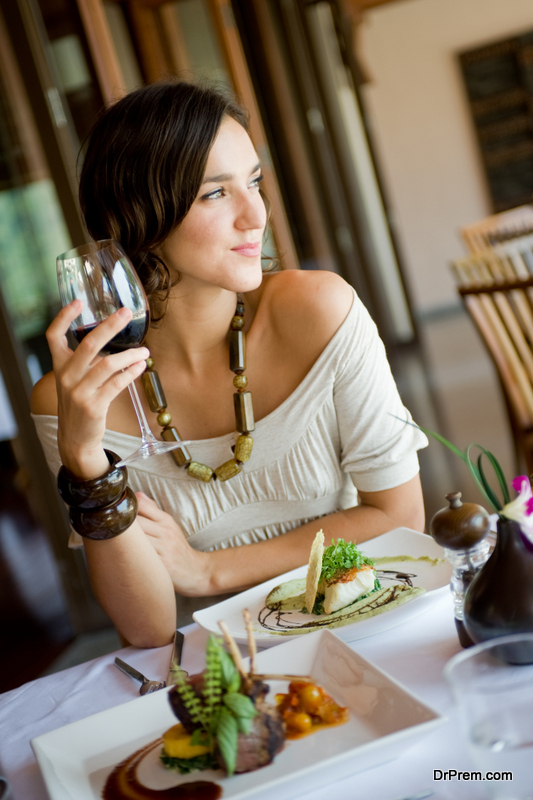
{"x":133,"y":586}
{"x":238,"y":568}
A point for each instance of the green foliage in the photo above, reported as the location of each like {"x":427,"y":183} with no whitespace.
{"x":191,"y":701}
{"x":231,"y":679}
{"x":212,"y":690}
{"x":318,"y":607}
{"x":342,"y":555}
{"x":222,"y":711}
{"x":475,"y":467}
{"x":242,"y":708}
{"x":227,"y":734}
{"x":187,"y":765}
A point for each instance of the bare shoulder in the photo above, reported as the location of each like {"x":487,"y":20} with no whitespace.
{"x":308,"y":304}
{"x":43,"y":398}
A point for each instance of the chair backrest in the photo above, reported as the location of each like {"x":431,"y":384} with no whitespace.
{"x":496,"y":287}
{"x":506,"y":226}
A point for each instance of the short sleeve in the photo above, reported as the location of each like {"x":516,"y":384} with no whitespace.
{"x":378,"y":445}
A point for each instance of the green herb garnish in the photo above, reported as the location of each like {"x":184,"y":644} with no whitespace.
{"x":222,"y":711}
{"x":187,"y":765}
{"x":342,"y":555}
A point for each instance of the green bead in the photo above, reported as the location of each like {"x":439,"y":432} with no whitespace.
{"x":150,"y":362}
{"x":200,"y":471}
{"x":243,"y":448}
{"x":164,"y":419}
{"x":240,"y":381}
{"x":237,"y":323}
{"x":227,"y":470}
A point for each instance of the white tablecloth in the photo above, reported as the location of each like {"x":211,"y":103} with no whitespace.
{"x":414,"y":653}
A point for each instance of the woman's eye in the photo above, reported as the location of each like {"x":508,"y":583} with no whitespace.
{"x":257,"y":181}
{"x":214,"y":195}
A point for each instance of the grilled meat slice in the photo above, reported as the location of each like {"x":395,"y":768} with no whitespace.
{"x":265,"y":740}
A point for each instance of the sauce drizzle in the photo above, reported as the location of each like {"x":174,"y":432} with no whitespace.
{"x":123,"y":784}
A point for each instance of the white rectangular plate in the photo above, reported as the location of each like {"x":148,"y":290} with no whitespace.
{"x":384,"y":720}
{"x":399,"y":542}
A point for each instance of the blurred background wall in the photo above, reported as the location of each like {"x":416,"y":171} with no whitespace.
{"x":422,"y":126}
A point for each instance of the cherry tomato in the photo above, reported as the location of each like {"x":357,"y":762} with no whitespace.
{"x":299,"y":722}
{"x":310,"y":698}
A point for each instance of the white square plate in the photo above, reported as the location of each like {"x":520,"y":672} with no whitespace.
{"x":434,"y":578}
{"x":385,"y":719}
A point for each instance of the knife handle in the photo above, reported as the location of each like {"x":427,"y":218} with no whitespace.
{"x":175,"y":658}
{"x":131,"y":671}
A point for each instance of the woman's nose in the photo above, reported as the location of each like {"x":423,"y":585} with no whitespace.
{"x":252,"y":212}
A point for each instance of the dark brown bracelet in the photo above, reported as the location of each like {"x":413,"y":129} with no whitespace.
{"x":96,"y":493}
{"x":107,"y":522}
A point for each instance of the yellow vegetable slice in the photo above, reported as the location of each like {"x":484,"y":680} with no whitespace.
{"x":313,"y":570}
{"x":177,"y":743}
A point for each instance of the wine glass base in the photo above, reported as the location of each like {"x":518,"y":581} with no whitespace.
{"x":150,"y":449}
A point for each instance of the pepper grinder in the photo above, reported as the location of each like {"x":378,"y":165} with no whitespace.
{"x":462,"y":529}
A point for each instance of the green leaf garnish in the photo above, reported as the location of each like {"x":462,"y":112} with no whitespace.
{"x":342,"y":555}
{"x":222,"y":711}
{"x":187,"y":765}
{"x":231,"y":680}
{"x":240,"y":705}
{"x":227,"y":735}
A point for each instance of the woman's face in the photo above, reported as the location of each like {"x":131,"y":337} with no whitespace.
{"x":219,"y":241}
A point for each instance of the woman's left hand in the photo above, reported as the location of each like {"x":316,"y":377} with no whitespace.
{"x":187,"y":567}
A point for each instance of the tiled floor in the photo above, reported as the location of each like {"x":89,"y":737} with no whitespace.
{"x":450,"y":386}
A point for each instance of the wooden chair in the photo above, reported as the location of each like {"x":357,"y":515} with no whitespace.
{"x":496,"y":287}
{"x":507,"y":225}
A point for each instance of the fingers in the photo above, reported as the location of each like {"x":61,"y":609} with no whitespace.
{"x":56,"y":332}
{"x":93,"y":344}
{"x":113,"y":382}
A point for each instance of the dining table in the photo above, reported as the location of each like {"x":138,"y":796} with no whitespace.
{"x":413,"y":653}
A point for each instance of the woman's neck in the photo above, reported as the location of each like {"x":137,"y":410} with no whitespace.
{"x":194,"y":328}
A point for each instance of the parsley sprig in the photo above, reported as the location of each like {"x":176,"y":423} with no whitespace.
{"x":342,"y":555}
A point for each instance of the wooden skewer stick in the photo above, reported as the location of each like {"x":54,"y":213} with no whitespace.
{"x":252,"y":649}
{"x":234,"y":650}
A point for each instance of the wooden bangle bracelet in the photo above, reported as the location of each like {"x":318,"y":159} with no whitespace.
{"x":96,"y":493}
{"x":108,"y":522}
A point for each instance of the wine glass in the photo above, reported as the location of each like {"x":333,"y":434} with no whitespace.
{"x":102,"y":276}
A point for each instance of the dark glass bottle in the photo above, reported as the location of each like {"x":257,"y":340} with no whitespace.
{"x":499,"y":601}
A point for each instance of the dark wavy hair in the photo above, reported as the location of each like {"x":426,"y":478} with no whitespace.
{"x":144,"y":163}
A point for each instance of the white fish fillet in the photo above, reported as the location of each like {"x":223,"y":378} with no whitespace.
{"x":342,"y":593}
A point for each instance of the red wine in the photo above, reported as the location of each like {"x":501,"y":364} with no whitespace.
{"x":131,"y":336}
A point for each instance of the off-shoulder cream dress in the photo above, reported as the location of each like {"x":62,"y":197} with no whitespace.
{"x":337,"y":432}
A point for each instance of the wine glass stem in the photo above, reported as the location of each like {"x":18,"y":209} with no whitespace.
{"x":146,"y":433}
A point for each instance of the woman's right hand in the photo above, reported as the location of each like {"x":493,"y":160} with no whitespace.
{"x":87,"y":384}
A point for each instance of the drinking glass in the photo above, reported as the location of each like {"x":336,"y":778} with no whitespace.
{"x":494,"y":692}
{"x":102,"y":276}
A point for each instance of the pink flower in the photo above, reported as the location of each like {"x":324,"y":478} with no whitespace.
{"x":521,"y":508}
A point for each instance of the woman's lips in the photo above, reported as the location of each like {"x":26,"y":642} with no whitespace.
{"x":250,"y":249}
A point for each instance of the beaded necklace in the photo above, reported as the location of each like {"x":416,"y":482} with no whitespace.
{"x":242,"y":401}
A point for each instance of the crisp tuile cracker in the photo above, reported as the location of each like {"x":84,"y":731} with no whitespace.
{"x":313,"y":570}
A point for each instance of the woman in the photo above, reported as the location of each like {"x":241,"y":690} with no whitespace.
{"x":171,"y":173}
